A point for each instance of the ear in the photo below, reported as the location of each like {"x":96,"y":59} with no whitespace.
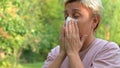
{"x":96,"y":20}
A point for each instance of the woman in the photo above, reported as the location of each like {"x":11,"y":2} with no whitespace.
{"x":78,"y":46}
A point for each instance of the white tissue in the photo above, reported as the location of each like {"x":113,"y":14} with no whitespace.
{"x":68,"y":19}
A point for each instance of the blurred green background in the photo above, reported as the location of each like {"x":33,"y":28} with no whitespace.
{"x":29,"y":29}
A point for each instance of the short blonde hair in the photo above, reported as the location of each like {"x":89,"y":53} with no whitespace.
{"x":95,"y":5}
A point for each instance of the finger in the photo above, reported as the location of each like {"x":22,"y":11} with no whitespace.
{"x":66,"y":44}
{"x":76,"y":28}
{"x":64,"y":24}
{"x":62,"y":34}
{"x":62,"y":31}
{"x":66,"y":32}
{"x":73,"y":27}
{"x":70,"y":27}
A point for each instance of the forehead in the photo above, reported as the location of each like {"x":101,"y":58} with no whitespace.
{"x":76,"y":6}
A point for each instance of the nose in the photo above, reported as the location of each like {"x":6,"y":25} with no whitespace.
{"x":68,"y":20}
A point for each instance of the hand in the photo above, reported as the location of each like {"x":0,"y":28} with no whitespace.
{"x":73,"y":41}
{"x":62,"y":40}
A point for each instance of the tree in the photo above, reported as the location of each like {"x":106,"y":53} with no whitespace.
{"x":109,"y":28}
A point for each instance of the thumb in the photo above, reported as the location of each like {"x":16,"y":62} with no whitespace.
{"x":83,"y":38}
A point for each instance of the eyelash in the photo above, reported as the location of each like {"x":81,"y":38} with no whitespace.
{"x":74,"y":16}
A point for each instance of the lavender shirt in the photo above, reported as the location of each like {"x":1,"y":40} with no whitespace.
{"x":107,"y":57}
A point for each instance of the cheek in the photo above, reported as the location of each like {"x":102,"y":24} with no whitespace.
{"x":84,"y":27}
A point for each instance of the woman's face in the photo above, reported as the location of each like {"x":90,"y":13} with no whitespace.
{"x":84,"y":16}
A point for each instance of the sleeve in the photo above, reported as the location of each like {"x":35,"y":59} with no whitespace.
{"x":51,"y":56}
{"x":108,"y":57}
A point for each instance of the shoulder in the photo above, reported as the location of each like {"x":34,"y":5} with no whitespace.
{"x":51,"y":56}
{"x":108,"y":45}
{"x":110,"y":52}
{"x":112,"y":45}
{"x":54,"y":52}
{"x":108,"y":56}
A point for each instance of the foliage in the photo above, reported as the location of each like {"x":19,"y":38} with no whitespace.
{"x":28,"y":28}
{"x":18,"y":29}
{"x":109,"y":28}
{"x":32,"y":65}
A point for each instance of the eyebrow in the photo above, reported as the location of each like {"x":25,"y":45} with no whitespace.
{"x":75,"y":9}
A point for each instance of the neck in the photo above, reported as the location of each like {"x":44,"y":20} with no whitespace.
{"x":87,"y":42}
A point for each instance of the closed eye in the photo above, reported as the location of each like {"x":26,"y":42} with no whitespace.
{"x":76,"y":15}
